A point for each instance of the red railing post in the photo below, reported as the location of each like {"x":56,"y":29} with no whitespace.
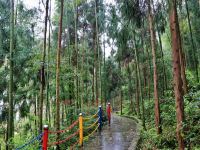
{"x":45,"y":138}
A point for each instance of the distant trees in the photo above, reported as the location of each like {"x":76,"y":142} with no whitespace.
{"x":195,"y":57}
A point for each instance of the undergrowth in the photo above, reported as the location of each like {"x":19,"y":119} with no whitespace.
{"x":150,"y":140}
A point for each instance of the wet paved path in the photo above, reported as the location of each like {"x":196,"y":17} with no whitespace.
{"x":121,"y":135}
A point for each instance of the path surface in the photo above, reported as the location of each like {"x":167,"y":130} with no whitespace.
{"x":121,"y":135}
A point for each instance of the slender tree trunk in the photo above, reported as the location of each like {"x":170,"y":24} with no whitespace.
{"x":48,"y":58}
{"x":144,"y":65}
{"x":100,"y":79}
{"x":149,"y":65}
{"x":139,"y":82}
{"x":58,"y":72}
{"x":104,"y":71}
{"x":192,"y":42}
{"x":183,"y":65}
{"x":86,"y":86}
{"x":11,"y":103}
{"x":163,"y":64}
{"x":76,"y":49}
{"x":42,"y":75}
{"x":129,"y":88}
{"x":35,"y":102}
{"x":149,"y":75}
{"x":182,"y":61}
{"x":94,"y":65}
{"x":137,"y":92}
{"x":71,"y":79}
{"x":82,"y":70}
{"x":1,"y":41}
{"x":96,"y":54}
{"x":153,"y":45}
{"x":93,"y":83}
{"x":35,"y":113}
{"x":121,"y":101}
{"x":145,"y":79}
{"x":16,"y":12}
{"x":164,"y":84}
{"x":63,"y":114}
{"x":177,"y":72}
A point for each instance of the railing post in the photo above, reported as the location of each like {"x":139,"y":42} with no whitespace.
{"x":80,"y":129}
{"x":45,"y":138}
{"x":100,"y":118}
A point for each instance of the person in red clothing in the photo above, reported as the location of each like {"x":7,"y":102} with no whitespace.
{"x":108,"y":112}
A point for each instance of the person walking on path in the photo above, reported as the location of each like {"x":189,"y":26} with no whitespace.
{"x":108,"y":110}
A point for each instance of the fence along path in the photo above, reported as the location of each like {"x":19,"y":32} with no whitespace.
{"x":87,"y":126}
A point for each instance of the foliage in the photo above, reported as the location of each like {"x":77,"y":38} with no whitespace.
{"x":125,"y":76}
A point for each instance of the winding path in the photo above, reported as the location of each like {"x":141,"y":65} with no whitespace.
{"x":122,"y":134}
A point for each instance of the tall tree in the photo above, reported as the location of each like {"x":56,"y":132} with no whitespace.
{"x":104,"y":70}
{"x":58,"y":71}
{"x":192,"y":42}
{"x":48,"y":116}
{"x":164,"y":86}
{"x":120,"y":89}
{"x":153,"y":47}
{"x":139,"y":81}
{"x":42,"y":71}
{"x":175,"y":36}
{"x":11,"y":104}
{"x":76,"y":50}
{"x":97,"y":52}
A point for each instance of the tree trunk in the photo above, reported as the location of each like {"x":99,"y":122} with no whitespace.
{"x":86,"y":86}
{"x":121,"y":102}
{"x":93,"y":83}
{"x":76,"y":49}
{"x":82,"y":70}
{"x":71,"y":79}
{"x":42,"y":71}
{"x":96,"y":49}
{"x":1,"y":42}
{"x":11,"y":103}
{"x":48,"y":59}
{"x":164,"y":85}
{"x":139,"y":82}
{"x":183,"y":64}
{"x":182,"y":61}
{"x":153,"y":45}
{"x":104,"y":71}
{"x":58,"y":73}
{"x":192,"y":42}
{"x":129,"y":88}
{"x":144,"y":61}
{"x":137,"y":92}
{"x":149,"y":75}
{"x":177,"y":72}
{"x":35,"y":113}
{"x":94,"y":65}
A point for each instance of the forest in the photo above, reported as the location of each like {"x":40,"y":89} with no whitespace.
{"x":65,"y":57}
